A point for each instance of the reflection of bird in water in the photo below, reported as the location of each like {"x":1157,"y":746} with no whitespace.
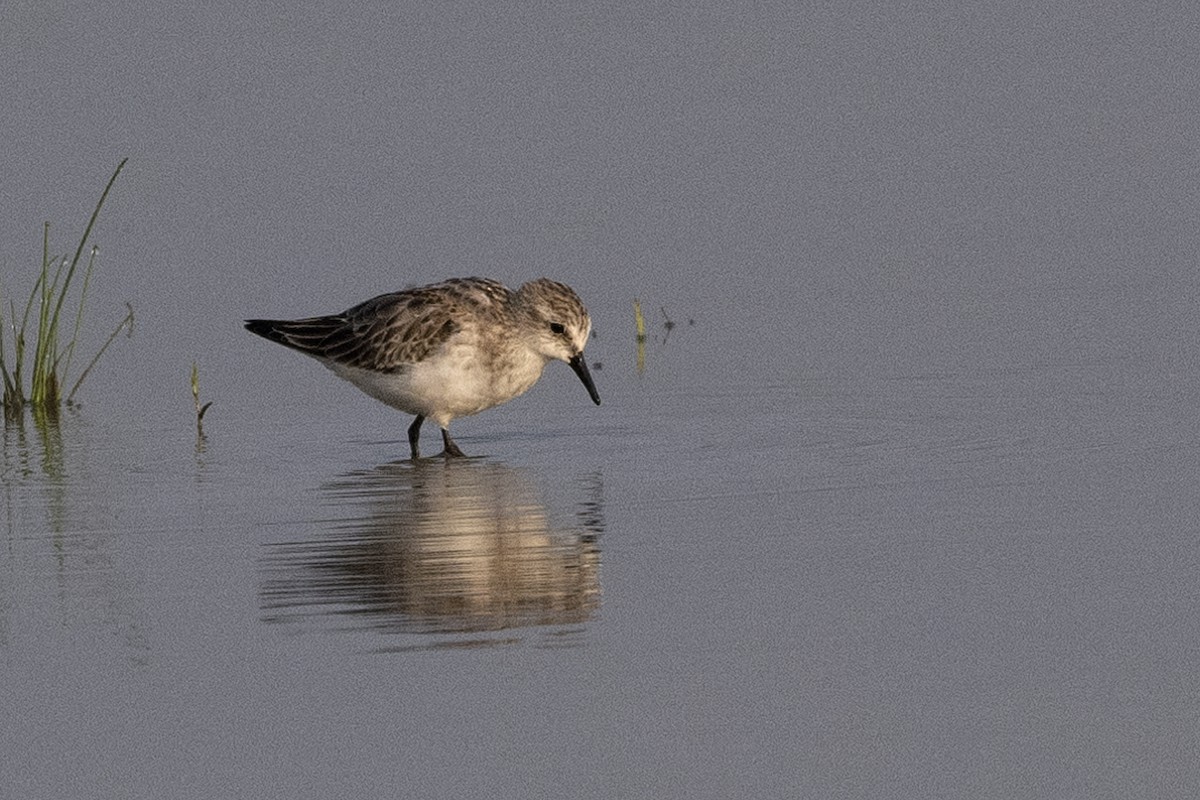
{"x":441,"y":546}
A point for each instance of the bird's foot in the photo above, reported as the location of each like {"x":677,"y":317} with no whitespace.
{"x":451,"y":450}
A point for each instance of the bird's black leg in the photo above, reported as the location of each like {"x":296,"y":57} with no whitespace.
{"x":414,"y":436}
{"x":451,"y":448}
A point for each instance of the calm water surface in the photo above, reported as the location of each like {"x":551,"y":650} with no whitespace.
{"x":907,"y":584}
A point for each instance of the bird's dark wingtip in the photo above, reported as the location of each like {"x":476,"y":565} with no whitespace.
{"x":268,"y":329}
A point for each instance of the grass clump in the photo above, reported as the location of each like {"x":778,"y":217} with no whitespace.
{"x":52,"y":352}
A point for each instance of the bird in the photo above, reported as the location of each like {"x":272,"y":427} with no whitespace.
{"x":446,"y":350}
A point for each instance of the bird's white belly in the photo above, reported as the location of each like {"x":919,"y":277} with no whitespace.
{"x":453,"y":383}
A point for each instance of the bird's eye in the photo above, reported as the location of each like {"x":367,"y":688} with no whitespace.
{"x":557,"y":328}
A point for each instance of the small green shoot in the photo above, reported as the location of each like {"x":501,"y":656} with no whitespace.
{"x":200,"y":409}
{"x":640,"y":324}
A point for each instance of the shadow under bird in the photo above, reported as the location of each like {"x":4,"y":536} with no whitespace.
{"x":446,"y":350}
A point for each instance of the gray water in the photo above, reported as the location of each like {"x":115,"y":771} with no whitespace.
{"x":903,"y":503}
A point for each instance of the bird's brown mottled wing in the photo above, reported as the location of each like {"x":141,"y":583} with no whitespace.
{"x":384,"y":334}
{"x":391,"y":331}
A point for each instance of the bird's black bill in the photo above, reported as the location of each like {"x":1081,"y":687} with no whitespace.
{"x":580,"y":366}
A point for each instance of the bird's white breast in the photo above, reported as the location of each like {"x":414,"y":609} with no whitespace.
{"x":455,"y":382}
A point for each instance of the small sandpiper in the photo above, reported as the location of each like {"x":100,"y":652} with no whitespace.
{"x":446,"y":350}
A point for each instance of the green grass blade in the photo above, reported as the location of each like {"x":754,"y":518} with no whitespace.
{"x":14,"y":387}
{"x":10,"y":390}
{"x":127,"y":321}
{"x":66,"y":282}
{"x":66,"y":356}
{"x":41,"y":388}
